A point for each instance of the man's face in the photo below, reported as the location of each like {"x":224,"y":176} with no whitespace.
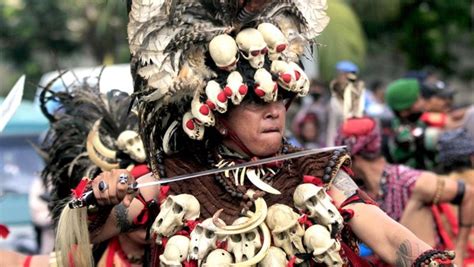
{"x":260,"y":127}
{"x":414,"y":112}
{"x":438,"y":104}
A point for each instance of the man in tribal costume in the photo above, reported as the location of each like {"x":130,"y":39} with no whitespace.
{"x":213,"y":81}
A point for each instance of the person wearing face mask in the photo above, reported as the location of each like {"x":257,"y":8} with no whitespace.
{"x":410,"y":141}
{"x":415,"y":198}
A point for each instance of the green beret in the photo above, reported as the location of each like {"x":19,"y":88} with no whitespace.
{"x":402,"y":93}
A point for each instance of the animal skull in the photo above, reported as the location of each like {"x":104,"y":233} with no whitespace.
{"x":302,"y":81}
{"x":203,"y":239}
{"x":287,"y":233}
{"x":274,"y":38}
{"x":245,"y":245}
{"x":223,"y":50}
{"x":314,"y":199}
{"x":216,"y":97}
{"x":265,"y":87}
{"x":190,"y":126}
{"x":176,"y":251}
{"x":202,"y":112}
{"x":174,"y":212}
{"x":325,"y":249}
{"x":218,"y":257}
{"x":275,"y":258}
{"x":130,"y":142}
{"x":252,"y":46}
{"x":235,"y":87}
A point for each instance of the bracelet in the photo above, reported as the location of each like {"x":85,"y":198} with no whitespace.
{"x":435,"y":257}
{"x":459,"y":193}
{"x":439,"y":190}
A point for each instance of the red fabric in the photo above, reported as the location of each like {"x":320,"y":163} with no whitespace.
{"x":346,"y":214}
{"x":358,"y":126}
{"x":354,"y":259}
{"x":291,"y":262}
{"x":447,"y":210}
{"x":4,"y":232}
{"x":144,"y":215}
{"x":434,"y":119}
{"x":312,"y":180}
{"x":79,"y":190}
{"x":114,"y":247}
{"x":357,"y":197}
{"x":191,"y":224}
{"x":222,"y":244}
{"x":27,"y":261}
{"x":139,"y":170}
{"x":304,"y":220}
{"x":163,"y":193}
{"x":448,"y":243}
{"x":348,"y":171}
{"x":190,"y":263}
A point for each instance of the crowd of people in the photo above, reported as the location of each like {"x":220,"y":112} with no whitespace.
{"x":218,"y":85}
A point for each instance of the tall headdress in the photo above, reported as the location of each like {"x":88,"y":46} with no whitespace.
{"x":191,"y":60}
{"x":89,"y":132}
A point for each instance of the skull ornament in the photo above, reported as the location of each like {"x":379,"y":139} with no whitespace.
{"x":274,"y":38}
{"x":223,"y":50}
{"x":275,"y":258}
{"x":130,"y":142}
{"x":174,"y":212}
{"x":218,"y":257}
{"x":235,"y":87}
{"x":216,"y":97}
{"x":202,"y":112}
{"x":317,"y":240}
{"x":302,"y":80}
{"x":176,"y":251}
{"x":245,"y":245}
{"x":203,"y":239}
{"x":287,"y":233}
{"x":287,"y":77}
{"x":265,"y":87}
{"x":252,"y":47}
{"x":314,"y":199}
{"x":193,"y":129}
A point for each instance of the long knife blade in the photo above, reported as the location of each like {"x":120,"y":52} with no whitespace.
{"x":88,"y":197}
{"x":234,"y":167}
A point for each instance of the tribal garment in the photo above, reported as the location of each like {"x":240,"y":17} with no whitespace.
{"x":396,"y":188}
{"x":300,"y":226}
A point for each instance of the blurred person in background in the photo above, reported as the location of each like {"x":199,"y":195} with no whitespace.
{"x":308,"y":131}
{"x":411,"y":197}
{"x":40,"y":216}
{"x":410,"y":142}
{"x":437,"y":102}
{"x":375,"y":105}
{"x":346,"y":72}
{"x":456,"y":154}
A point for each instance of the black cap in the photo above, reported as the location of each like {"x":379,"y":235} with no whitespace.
{"x":438,"y":89}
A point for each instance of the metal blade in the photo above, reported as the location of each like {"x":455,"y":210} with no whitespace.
{"x":234,"y":167}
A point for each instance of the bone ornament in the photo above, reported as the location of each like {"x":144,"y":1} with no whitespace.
{"x":216,"y":97}
{"x":286,"y":231}
{"x":218,"y":257}
{"x":302,"y":83}
{"x":265,"y":87}
{"x":193,"y":129}
{"x":314,"y":200}
{"x":130,"y":142}
{"x":202,"y":112}
{"x":287,"y":76}
{"x":203,"y":239}
{"x":244,"y":246}
{"x":275,"y":258}
{"x":174,"y":212}
{"x":176,"y":251}
{"x":318,"y":241}
{"x":274,"y":38}
{"x":235,"y":87}
{"x":223,"y":50}
{"x":255,"y":219}
{"x":252,"y":47}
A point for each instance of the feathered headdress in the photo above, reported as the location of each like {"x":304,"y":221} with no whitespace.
{"x":192,"y":59}
{"x":87,"y":134}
